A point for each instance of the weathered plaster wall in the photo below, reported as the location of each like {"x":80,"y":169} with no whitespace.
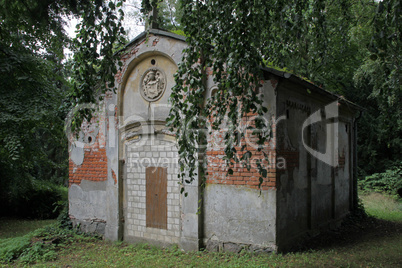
{"x":113,"y":213}
{"x":239,"y":217}
{"x":93,"y":192}
{"x":312,"y":195}
{"x":87,"y":206}
{"x":88,"y":159}
{"x":217,"y":168}
{"x":293,"y":179}
{"x":342,"y":174}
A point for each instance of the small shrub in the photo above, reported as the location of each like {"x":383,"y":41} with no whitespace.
{"x":12,"y":248}
{"x":39,"y":245}
{"x":44,"y":199}
{"x":389,"y":182}
{"x":39,"y":251}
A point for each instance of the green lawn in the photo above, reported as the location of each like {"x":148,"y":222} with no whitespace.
{"x":382,"y":207}
{"x":18,"y":227}
{"x":374,"y":242}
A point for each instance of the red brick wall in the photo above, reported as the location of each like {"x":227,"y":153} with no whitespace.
{"x":125,"y":57}
{"x":93,"y":168}
{"x":217,"y":168}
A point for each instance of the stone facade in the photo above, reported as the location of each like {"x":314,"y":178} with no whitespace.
{"x":123,"y":166}
{"x":152,"y":153}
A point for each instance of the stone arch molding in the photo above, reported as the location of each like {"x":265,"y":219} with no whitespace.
{"x":145,"y":89}
{"x":144,"y":141}
{"x":155,"y":54}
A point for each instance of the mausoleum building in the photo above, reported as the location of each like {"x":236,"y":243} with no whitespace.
{"x":123,"y":167}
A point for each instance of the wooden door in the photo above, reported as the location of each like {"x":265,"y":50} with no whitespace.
{"x":156,"y":197}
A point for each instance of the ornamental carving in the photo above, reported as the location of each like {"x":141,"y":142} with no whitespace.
{"x":153,"y":84}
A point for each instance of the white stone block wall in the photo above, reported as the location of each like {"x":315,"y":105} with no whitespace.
{"x":152,"y":152}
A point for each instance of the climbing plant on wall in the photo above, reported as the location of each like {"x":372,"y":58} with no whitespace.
{"x":233,"y":39}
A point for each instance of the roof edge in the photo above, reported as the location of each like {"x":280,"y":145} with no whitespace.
{"x":156,"y":32}
{"x":291,"y":77}
{"x":311,"y":86}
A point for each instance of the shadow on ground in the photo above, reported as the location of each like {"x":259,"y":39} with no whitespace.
{"x":354,"y":230}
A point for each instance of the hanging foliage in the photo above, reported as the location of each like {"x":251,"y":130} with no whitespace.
{"x":233,"y":39}
{"x":99,"y":35}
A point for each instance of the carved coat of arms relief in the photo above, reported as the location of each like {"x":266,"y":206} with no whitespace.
{"x":153,"y":84}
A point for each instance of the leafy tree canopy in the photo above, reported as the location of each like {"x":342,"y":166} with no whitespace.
{"x":31,"y":88}
{"x":99,"y":35}
{"x":169,"y":12}
{"x":378,"y":83}
{"x":330,"y":42}
{"x":235,"y":38}
{"x":35,"y":84}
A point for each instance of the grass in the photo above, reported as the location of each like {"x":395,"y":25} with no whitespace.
{"x":382,"y":206}
{"x":374,"y":242}
{"x":17,"y":227}
{"x":384,"y":252}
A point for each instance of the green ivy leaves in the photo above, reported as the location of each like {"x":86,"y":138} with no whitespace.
{"x":99,"y":35}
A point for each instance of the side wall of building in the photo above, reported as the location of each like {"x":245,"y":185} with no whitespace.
{"x":93,"y":172}
{"x":237,"y":214}
{"x":315,"y":139}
